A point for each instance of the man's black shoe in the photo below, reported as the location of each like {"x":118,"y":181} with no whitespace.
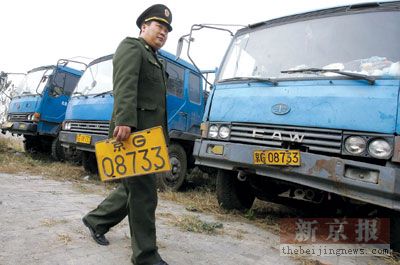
{"x":99,"y":238}
{"x":161,"y":263}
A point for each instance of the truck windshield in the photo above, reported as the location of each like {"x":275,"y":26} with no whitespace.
{"x":96,"y":79}
{"x":34,"y":82}
{"x":363,"y":43}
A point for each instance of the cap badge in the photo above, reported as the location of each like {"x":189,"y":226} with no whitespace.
{"x":166,"y":12}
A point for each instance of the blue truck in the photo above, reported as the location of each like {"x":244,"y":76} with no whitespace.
{"x":9,"y":85}
{"x":307,"y":107}
{"x":89,"y":113}
{"x":38,"y":108}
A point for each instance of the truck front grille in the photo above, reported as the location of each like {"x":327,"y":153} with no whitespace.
{"x":19,"y":116}
{"x":90,"y":127}
{"x":313,"y":139}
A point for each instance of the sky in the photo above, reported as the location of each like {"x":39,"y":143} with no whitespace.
{"x":39,"y":32}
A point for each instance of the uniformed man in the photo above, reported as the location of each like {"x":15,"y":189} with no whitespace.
{"x":139,"y":83}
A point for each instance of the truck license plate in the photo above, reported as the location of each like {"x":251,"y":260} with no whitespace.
{"x":83,"y":138}
{"x":144,"y":152}
{"x":277,"y":157}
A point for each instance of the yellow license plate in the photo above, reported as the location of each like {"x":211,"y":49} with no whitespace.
{"x":7,"y":125}
{"x":144,"y":152}
{"x":277,"y":157}
{"x":22,"y":126}
{"x":83,"y":138}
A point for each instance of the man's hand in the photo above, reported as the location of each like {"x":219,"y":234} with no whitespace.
{"x":122,"y":132}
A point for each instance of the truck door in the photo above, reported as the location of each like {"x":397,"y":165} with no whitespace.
{"x":194,"y":107}
{"x":176,"y":112}
{"x":57,"y":96}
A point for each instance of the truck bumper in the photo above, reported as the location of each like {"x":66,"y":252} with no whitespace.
{"x":68,"y":139}
{"x":19,"y":127}
{"x":379,"y":185}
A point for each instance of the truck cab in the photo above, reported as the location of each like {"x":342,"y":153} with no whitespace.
{"x":37,"y":109}
{"x":307,"y":107}
{"x":9,"y":86}
{"x":89,"y":113}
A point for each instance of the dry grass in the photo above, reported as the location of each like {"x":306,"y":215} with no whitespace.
{"x":394,"y":259}
{"x":14,"y":160}
{"x":199,"y":200}
{"x":10,"y":145}
{"x":192,"y":223}
{"x":264,"y":215}
{"x":307,"y":261}
{"x":64,"y":238}
{"x":52,"y":222}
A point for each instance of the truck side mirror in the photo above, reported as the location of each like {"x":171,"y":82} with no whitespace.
{"x":180,"y":44}
{"x":179,"y":47}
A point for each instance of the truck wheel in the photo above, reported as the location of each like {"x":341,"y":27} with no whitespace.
{"x":73,"y":155}
{"x":57,"y":151}
{"x":89,"y":162}
{"x":175,"y":179}
{"x":32,"y":144}
{"x":233,"y":194}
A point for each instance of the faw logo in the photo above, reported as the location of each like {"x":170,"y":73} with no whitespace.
{"x":277,"y":135}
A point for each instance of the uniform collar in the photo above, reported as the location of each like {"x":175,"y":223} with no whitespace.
{"x":146,"y":45}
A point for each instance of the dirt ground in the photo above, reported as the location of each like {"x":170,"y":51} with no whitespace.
{"x":40,"y":223}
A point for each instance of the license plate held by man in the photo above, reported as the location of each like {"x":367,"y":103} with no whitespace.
{"x":144,"y":152}
{"x":277,"y":157}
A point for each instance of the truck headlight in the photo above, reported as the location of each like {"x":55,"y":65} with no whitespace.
{"x":66,"y":125}
{"x":213,"y":131}
{"x":379,"y":148}
{"x":224,"y":132}
{"x":355,"y":145}
{"x":31,"y":117}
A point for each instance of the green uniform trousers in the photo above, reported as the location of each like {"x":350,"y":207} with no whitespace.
{"x":137,"y":198}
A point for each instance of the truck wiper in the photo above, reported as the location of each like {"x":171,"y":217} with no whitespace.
{"x":27,"y":93}
{"x":77,"y":93}
{"x":371,"y":80}
{"x":251,"y":79}
{"x":103,"y":93}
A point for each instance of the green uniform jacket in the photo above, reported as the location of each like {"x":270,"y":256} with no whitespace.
{"x":139,"y":85}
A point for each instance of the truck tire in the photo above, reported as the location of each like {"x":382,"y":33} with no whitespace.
{"x":176,"y":178}
{"x":57,"y":151}
{"x":73,"y":155}
{"x":32,"y":144}
{"x":233,"y":194}
{"x":89,"y":162}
